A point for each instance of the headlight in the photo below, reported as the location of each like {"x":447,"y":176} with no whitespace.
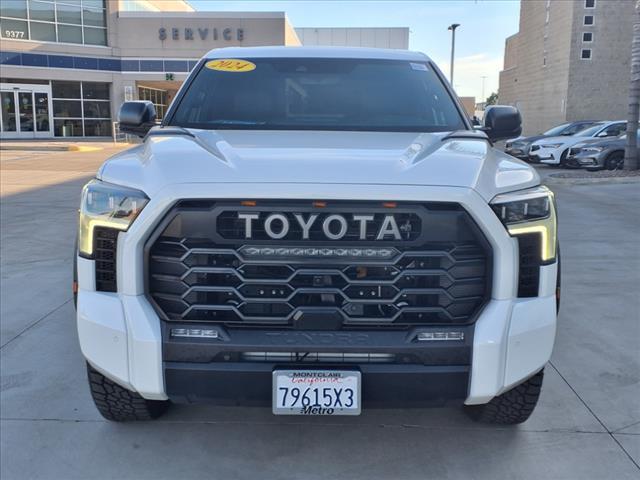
{"x":551,"y":145}
{"x":592,"y":149}
{"x":106,"y":205}
{"x":530,"y":211}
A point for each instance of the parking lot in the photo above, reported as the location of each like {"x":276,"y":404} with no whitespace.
{"x":587,"y":425}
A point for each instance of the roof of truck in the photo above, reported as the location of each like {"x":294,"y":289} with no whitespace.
{"x":316,"y":52}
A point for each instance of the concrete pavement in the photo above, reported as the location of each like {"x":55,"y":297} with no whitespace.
{"x":587,"y":425}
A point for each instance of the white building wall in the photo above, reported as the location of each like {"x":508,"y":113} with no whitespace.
{"x":395,"y":37}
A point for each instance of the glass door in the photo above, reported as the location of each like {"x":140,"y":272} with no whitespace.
{"x":42,"y":113}
{"x":26,"y":115}
{"x":26,"y":111}
{"x":8,"y":117}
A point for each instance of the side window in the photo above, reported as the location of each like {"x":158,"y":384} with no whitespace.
{"x":614,"y":130}
{"x":574,"y":128}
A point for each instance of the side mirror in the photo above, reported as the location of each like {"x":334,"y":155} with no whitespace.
{"x":501,"y":122}
{"x":137,"y":117}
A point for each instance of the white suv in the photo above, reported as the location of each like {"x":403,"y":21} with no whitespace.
{"x":554,"y":150}
{"x":319,"y":230}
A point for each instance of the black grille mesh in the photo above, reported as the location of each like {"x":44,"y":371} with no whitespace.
{"x":105,"y":242}
{"x":191,"y":278}
{"x":529,"y":272}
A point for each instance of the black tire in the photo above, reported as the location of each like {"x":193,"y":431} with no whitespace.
{"x":563,"y":159}
{"x":512,"y":407}
{"x":615,"y":161}
{"x":118,"y":404}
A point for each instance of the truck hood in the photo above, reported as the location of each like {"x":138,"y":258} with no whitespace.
{"x":380,"y":158}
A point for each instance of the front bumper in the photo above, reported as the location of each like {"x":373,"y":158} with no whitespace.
{"x":545,"y":155}
{"x":588,"y":160}
{"x":121,"y":334}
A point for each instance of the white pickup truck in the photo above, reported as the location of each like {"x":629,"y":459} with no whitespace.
{"x":319,"y":230}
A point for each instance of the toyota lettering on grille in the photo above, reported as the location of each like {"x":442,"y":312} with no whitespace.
{"x":334,"y":227}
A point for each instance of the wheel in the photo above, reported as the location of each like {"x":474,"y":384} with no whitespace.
{"x":614,"y":161}
{"x":563,"y":159}
{"x":118,"y":404}
{"x":512,"y":407}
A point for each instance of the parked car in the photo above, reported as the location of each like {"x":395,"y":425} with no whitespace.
{"x":282,"y":240}
{"x":599,"y":154}
{"x":554,"y":150}
{"x":519,"y":147}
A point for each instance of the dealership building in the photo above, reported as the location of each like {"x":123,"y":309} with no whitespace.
{"x":570,"y":60}
{"x":66,"y":66}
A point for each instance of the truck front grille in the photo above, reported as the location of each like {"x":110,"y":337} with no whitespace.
{"x":529,"y":265}
{"x":105,"y":244}
{"x":201,"y":269}
{"x":317,"y":357}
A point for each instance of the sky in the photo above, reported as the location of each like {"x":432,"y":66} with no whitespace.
{"x":485,"y":24}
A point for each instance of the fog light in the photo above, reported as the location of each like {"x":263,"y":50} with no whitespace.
{"x":439,"y":336}
{"x":194,"y":333}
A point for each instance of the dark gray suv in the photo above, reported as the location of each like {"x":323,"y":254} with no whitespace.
{"x":598,"y":153}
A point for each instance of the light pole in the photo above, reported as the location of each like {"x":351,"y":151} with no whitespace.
{"x":482,"y":99}
{"x":452,"y":27}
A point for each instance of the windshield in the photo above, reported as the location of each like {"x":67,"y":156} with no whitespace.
{"x":319,"y":94}
{"x":589,"y":132}
{"x":555,"y":131}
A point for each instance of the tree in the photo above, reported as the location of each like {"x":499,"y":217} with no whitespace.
{"x":631,"y":149}
{"x":493,"y":98}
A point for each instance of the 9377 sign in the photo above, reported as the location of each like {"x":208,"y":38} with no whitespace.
{"x":13,"y":34}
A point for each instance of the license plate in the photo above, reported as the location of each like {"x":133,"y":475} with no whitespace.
{"x":316,"y":392}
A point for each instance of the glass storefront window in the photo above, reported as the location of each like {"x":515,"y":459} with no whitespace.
{"x":13,"y":29}
{"x":94,"y":18}
{"x":13,"y":8}
{"x":97,"y":128}
{"x":155,"y":96}
{"x":97,"y":91}
{"x":69,"y":34}
{"x":96,"y":109}
{"x":45,"y":32}
{"x":67,"y":128}
{"x":95,"y":36}
{"x":67,"y":108}
{"x":42,"y":11}
{"x":81,"y":108}
{"x":39,"y":20}
{"x":65,"y":89}
{"x":92,"y":3}
{"x":69,"y":14}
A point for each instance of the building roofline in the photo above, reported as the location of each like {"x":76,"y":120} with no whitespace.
{"x":202,"y":14}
